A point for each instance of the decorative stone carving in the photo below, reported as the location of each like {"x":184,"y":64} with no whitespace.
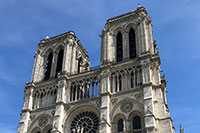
{"x":43,"y":121}
{"x":114,"y":101}
{"x":138,"y":96}
{"x":53,"y":113}
{"x":32,"y":117}
{"x":104,"y":74}
{"x":149,"y":110}
{"x":85,"y":122}
{"x":126,"y":107}
{"x":67,"y":107}
{"x":98,"y":103}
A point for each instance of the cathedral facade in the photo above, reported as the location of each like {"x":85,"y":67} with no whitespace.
{"x":124,"y":94}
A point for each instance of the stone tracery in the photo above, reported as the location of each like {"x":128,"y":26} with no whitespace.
{"x":85,"y":122}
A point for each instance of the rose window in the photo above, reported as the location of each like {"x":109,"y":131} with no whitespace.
{"x":85,"y":122}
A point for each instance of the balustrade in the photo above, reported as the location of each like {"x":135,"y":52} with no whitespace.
{"x":126,"y":79}
{"x":44,"y":97}
{"x":83,"y":89}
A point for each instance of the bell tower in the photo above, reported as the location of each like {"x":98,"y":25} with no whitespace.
{"x":133,"y":63}
{"x":55,"y":57}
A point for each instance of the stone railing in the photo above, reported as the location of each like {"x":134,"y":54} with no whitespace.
{"x":44,"y":97}
{"x":84,"y":88}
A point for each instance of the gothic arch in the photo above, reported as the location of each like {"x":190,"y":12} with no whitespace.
{"x":133,"y":101}
{"x":76,"y":111}
{"x":58,"y":47}
{"x":34,"y":123}
{"x":130,"y":25}
{"x":36,"y":130}
{"x":133,"y":115}
{"x":47,"y":129}
{"x":118,"y":120}
{"x":46,"y":52}
{"x":116,"y":30}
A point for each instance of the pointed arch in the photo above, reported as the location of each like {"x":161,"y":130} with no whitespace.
{"x":119,"y":47}
{"x":79,"y":64}
{"x":132,"y":44}
{"x":59,"y":61}
{"x":120,"y":125}
{"x":36,"y":130}
{"x":136,"y":123}
{"x":48,"y":66}
{"x":47,"y":129}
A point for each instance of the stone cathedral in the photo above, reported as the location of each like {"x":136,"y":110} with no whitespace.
{"x":124,"y":94}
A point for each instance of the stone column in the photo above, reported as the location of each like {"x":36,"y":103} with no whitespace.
{"x":104,"y":124}
{"x":113,"y":83}
{"x":41,"y":65}
{"x":60,"y":109}
{"x":149,"y":115}
{"x":125,"y":81}
{"x":64,"y":67}
{"x":35,"y":67}
{"x":54,"y":64}
{"x":25,"y":114}
{"x":126,"y":42}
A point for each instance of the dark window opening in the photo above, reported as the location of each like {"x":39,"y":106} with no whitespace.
{"x":136,"y":123}
{"x":120,"y":125}
{"x":79,"y":64}
{"x":59,"y":62}
{"x":132,"y":43}
{"x":115,"y":84}
{"x":120,"y":83}
{"x":48,"y":66}
{"x":132,"y":79}
{"x":49,"y":131}
{"x":119,"y":47}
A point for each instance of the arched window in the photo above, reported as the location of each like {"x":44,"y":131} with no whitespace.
{"x":119,"y":47}
{"x":120,"y":125}
{"x":120,"y":83}
{"x":132,"y":43}
{"x":59,"y":61}
{"x":136,"y":123}
{"x":48,"y":66}
{"x":79,"y":64}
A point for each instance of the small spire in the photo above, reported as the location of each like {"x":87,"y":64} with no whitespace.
{"x":139,"y":5}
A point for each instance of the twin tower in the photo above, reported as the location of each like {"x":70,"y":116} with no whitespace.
{"x":125,"y":94}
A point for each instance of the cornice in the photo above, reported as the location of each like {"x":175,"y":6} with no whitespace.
{"x":140,"y":13}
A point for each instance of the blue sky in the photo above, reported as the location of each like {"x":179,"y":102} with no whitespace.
{"x":23,"y":23}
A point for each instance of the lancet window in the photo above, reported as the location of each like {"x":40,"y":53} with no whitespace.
{"x":136,"y":124}
{"x":119,"y":47}
{"x":59,"y":62}
{"x":48,"y":66}
{"x":79,"y":64}
{"x":120,"y":125}
{"x":132,"y":43}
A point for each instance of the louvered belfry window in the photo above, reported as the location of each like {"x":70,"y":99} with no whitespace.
{"x":132,"y":43}
{"x":59,"y":62}
{"x":48,"y":66}
{"x":119,"y":47}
